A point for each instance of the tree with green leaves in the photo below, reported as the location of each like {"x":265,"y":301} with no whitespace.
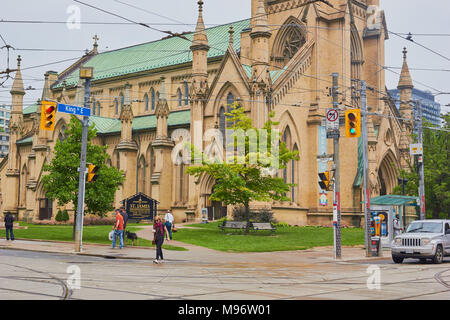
{"x":248,"y":175}
{"x":436,"y":155}
{"x":61,"y":182}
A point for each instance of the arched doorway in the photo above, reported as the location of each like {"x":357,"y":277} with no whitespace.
{"x":387,"y":174}
{"x":217,"y":209}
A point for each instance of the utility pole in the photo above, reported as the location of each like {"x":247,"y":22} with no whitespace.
{"x":421,"y":162}
{"x":367,"y":233}
{"x":336,"y":185}
{"x":87,"y":74}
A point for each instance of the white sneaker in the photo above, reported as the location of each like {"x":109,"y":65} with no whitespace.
{"x":161,"y":261}
{"x":155,"y":261}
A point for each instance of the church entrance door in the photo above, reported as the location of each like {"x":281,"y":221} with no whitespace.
{"x":216,"y":211}
{"x":45,"y":209}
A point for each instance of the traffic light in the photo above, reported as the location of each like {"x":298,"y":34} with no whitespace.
{"x":324,"y":182}
{"x":92,"y":173}
{"x":353,"y":123}
{"x":48,"y":115}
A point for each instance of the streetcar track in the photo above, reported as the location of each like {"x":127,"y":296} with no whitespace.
{"x":67,"y":292}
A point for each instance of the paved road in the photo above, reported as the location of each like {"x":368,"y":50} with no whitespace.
{"x":283,"y":275}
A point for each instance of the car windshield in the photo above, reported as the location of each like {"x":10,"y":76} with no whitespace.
{"x":428,"y":227}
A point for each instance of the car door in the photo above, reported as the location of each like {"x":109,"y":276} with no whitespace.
{"x":447,"y":237}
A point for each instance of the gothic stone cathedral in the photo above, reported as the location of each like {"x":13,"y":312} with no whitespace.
{"x":281,"y":60}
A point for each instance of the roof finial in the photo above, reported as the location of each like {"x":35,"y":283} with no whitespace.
{"x":404,"y":52}
{"x":231,"y":32}
{"x":200,"y":5}
{"x":96,"y":38}
{"x":19,"y":59}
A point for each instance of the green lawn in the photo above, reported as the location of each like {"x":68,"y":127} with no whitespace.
{"x":284,"y":238}
{"x":91,"y":234}
{"x":209,"y":236}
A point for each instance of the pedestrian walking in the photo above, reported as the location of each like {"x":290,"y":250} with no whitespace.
{"x":159,"y":230}
{"x":168,"y":218}
{"x":9,"y":224}
{"x":125,"y":219}
{"x":118,"y":229}
{"x":397,"y":226}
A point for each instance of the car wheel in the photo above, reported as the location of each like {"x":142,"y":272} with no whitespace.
{"x":423,"y":260}
{"x":397,"y":259}
{"x":439,"y":255}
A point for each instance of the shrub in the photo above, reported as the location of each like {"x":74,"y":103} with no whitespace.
{"x":62,"y":216}
{"x":59,"y":216}
{"x":266,"y":215}
{"x":98,"y":221}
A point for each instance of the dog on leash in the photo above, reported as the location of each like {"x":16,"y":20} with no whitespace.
{"x":132,"y":236}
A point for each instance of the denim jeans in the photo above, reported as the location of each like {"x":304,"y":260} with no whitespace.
{"x":169,"y":228}
{"x":159,"y":243}
{"x":9,"y":233}
{"x":118,"y":233}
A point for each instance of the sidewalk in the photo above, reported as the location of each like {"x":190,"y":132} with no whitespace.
{"x":195,"y":254}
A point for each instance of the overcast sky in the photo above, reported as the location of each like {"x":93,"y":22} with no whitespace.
{"x":403,"y":16}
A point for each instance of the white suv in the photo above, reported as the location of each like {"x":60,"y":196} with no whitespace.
{"x":424,"y":239}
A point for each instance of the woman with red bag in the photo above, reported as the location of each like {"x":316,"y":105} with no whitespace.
{"x":159,"y":230}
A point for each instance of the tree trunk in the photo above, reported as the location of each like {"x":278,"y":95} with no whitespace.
{"x":247,"y":217}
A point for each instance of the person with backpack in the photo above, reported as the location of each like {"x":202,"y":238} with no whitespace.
{"x":159,"y":230}
{"x":9,"y":224}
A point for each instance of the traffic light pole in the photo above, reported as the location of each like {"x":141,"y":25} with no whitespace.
{"x":336,"y":185}
{"x":364,"y":115}
{"x":82,"y":170}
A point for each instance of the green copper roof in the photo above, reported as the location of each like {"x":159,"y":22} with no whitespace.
{"x":30,"y":109}
{"x":274,"y":75}
{"x":114,"y":126}
{"x":158,"y":54}
{"x":27,"y":140}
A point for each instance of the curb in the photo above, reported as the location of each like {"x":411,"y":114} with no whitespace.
{"x":106,"y":256}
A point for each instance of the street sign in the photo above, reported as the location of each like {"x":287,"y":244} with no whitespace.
{"x":332,"y":119}
{"x":80,"y":111}
{"x":416,"y":149}
{"x":333,"y":134}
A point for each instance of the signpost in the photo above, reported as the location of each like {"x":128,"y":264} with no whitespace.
{"x":87,"y":75}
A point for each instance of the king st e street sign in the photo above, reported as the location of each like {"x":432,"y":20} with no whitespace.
{"x":80,"y":111}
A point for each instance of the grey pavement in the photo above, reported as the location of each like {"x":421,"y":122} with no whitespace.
{"x":39,"y":270}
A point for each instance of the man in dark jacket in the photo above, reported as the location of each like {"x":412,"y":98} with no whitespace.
{"x":9,"y":223}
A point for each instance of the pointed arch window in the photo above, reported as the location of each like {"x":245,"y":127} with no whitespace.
{"x":153,"y":98}
{"x":122,"y":101}
{"x":146,"y":102}
{"x":93,"y":107}
{"x":62,"y":134}
{"x":98,"y":108}
{"x":186,"y":94}
{"x":222,"y":123}
{"x":289,"y":173}
{"x":179,"y":97}
{"x":116,"y":104}
{"x":230,"y":101}
{"x":288,"y":41}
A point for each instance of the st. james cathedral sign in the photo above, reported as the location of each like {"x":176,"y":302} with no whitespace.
{"x":140,"y":207}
